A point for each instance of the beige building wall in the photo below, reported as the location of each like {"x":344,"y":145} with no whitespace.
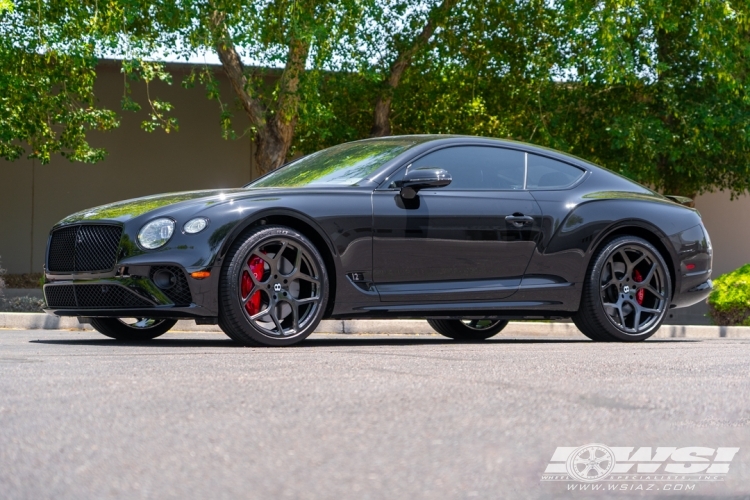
{"x":34,"y":197}
{"x":728,"y":224}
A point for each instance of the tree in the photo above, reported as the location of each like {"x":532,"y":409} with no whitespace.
{"x":300,"y":27}
{"x":50,"y":50}
{"x":655,"y":89}
{"x":357,"y":95}
{"x":404,"y":49}
{"x":47,"y":73}
{"x":660,"y":94}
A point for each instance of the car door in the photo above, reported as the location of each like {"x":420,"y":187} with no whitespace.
{"x":470,"y":240}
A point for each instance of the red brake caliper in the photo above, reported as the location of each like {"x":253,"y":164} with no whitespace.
{"x":638,"y":277}
{"x":256,"y":267}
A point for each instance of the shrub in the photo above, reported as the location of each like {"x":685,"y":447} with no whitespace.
{"x":729,"y":302}
{"x":30,"y":280}
{"x":22,"y":305}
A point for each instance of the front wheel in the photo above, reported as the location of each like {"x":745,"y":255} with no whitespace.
{"x":132,"y":329}
{"x":471,"y":330}
{"x":626,"y":293}
{"x":274,"y":288}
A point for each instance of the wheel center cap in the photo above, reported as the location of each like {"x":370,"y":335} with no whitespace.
{"x":626,"y":289}
{"x":277,"y":287}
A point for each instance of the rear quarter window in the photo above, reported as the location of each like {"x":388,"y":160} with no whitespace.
{"x":545,"y":173}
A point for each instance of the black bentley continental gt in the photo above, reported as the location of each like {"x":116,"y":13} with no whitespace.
{"x":465,"y":232}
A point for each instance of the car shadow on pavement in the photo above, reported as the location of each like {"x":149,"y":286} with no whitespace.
{"x":343,"y":341}
{"x":326,"y":342}
{"x":219,"y":342}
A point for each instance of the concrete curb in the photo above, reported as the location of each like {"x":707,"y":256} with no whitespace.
{"x":39,"y":321}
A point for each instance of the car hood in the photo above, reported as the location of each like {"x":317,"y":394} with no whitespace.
{"x":123,"y":211}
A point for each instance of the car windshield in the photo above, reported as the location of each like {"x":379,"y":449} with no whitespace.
{"x":342,"y":165}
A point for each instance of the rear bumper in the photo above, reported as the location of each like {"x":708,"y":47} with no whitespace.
{"x":697,"y":293}
{"x":693,"y":266}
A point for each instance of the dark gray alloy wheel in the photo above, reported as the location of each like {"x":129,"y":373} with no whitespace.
{"x":468,"y":329}
{"x":626,"y":293}
{"x":132,"y":329}
{"x":273,"y":289}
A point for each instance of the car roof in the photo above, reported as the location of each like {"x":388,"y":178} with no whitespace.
{"x":422,"y":143}
{"x":428,"y":141}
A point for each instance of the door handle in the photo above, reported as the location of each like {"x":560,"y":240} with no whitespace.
{"x":519,"y":220}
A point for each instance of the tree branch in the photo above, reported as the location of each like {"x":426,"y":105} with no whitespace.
{"x":232,"y":65}
{"x":382,"y":123}
{"x":274,"y":142}
{"x":288,"y":100}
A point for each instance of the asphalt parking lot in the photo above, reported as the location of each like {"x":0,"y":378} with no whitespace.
{"x":192,"y":416}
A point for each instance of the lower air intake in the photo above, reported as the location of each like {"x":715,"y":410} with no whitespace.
{"x":93,"y":296}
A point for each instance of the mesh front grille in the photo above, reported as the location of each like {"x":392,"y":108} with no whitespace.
{"x":179,"y":291}
{"x":93,"y":296}
{"x":60,"y":296}
{"x":84,"y":248}
{"x":62,"y":249}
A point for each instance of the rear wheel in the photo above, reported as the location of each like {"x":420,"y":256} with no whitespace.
{"x":467,"y":329}
{"x":626,"y":293}
{"x":132,"y":329}
{"x":273,"y":289}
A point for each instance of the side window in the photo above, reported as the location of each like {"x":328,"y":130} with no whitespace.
{"x":478,"y":167}
{"x":545,"y":173}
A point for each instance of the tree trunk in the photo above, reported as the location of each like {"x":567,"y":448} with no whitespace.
{"x":275,"y":126}
{"x":381,"y":125}
{"x":232,"y":66}
{"x":272,"y":144}
{"x":274,"y":141}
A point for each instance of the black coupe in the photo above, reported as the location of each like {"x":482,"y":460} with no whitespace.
{"x":465,"y":232}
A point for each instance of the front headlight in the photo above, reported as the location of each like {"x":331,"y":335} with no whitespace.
{"x":156,"y":233}
{"x":196,"y":225}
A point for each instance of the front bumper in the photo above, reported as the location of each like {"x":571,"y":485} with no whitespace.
{"x":199,"y":314}
{"x":132,"y":292}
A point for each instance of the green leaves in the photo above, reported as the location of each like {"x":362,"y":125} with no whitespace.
{"x":47,"y":104}
{"x":657,"y":90}
{"x":729,"y":302}
{"x":148,"y":71}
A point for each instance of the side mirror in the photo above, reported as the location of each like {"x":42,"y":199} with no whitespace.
{"x":422,"y":178}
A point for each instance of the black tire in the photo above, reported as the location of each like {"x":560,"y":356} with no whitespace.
{"x":615,"y":304}
{"x":292,"y":289}
{"x":472,"y":332}
{"x":143,"y":329}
